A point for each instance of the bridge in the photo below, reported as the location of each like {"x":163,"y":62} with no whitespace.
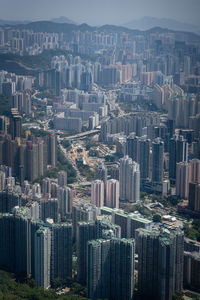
{"x":81,"y":135}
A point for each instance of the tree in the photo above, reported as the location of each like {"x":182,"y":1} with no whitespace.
{"x":156,"y":218}
{"x":177,"y":296}
{"x":110,"y":158}
{"x":66,"y":144}
{"x":13,"y":290}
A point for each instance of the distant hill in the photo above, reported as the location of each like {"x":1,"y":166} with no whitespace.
{"x":146,"y":23}
{"x":64,"y":24}
{"x":47,"y":26}
{"x":63,"y":19}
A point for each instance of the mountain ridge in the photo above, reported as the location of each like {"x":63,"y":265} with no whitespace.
{"x":50,"y":27}
{"x":146,"y":23}
{"x":63,"y":19}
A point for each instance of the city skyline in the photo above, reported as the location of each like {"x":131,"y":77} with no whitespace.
{"x":100,"y":151}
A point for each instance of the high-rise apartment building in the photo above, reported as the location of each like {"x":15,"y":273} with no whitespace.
{"x":114,"y":172}
{"x":49,"y":209}
{"x":83,"y":212}
{"x":186,"y":173}
{"x":2,"y":180}
{"x":46,"y":188}
{"x":128,"y":222}
{"x":191,"y":278}
{"x":52,"y":150}
{"x":160,"y":263}
{"x":15,"y":124}
{"x":101,"y":172}
{"x":195,"y":170}
{"x":22,"y":102}
{"x":138,"y":148}
{"x":43,"y":257}
{"x":178,"y":152}
{"x":61,"y":256}
{"x":129,"y":180}
{"x":65,"y":201}
{"x":98,"y":269}
{"x":110,"y":269}
{"x":41,"y":157}
{"x":97,"y":193}
{"x":7,"y":241}
{"x":62,"y":178}
{"x":8,"y":200}
{"x":183,"y":178}
{"x":32,"y":159}
{"x":157,"y":160}
{"x":17,"y":240}
{"x":23,"y":244}
{"x":35,"y":248}
{"x":112,"y":193}
{"x":86,"y":231}
{"x":27,"y":158}
{"x":194,"y":196}
{"x":86,"y":80}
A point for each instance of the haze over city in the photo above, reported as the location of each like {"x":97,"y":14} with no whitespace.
{"x":95,"y":12}
{"x":100,"y":149}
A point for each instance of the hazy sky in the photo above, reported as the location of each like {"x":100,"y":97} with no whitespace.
{"x":98,"y":12}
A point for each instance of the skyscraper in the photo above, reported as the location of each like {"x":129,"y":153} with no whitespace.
{"x":114,"y":172}
{"x":183,"y":177}
{"x":192,"y":271}
{"x":112,"y":193}
{"x":8,"y":200}
{"x":65,"y":201}
{"x":62,"y":178}
{"x":83,"y":212}
{"x":178,"y":152}
{"x":49,"y":209}
{"x":86,"y":80}
{"x":23,"y":244}
{"x":37,"y":249}
{"x":129,"y":180}
{"x":160,"y":263}
{"x":144,"y":158}
{"x":123,"y":176}
{"x":110,"y":269}
{"x":98,"y":269}
{"x":52,"y":150}
{"x":61,"y":256}
{"x":42,"y":257}
{"x":32,"y":159}
{"x":21,"y":100}
{"x":157,"y":160}
{"x":97,"y":193}
{"x":101,"y":172}
{"x":7,"y":241}
{"x":41,"y":159}
{"x":86,"y":231}
{"x":138,"y":148}
{"x":194,"y":196}
{"x":15,"y":124}
{"x":17,"y":240}
{"x":46,"y":188}
{"x":195,"y":170}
